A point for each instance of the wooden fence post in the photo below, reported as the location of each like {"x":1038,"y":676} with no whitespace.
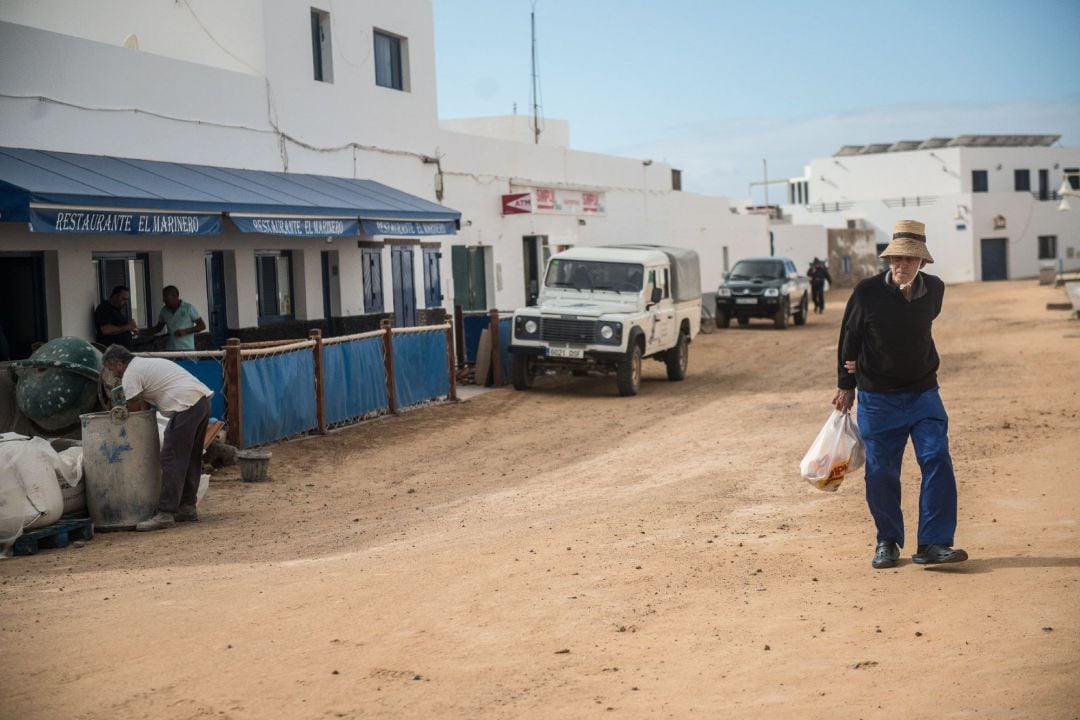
{"x":496,"y":350}
{"x":450,"y":365}
{"x":320,"y":381}
{"x":459,"y":334}
{"x":233,"y":394}
{"x":388,"y":361}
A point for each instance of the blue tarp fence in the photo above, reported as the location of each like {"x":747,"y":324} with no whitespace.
{"x":506,"y":329}
{"x":421,"y":372}
{"x":355,"y":379}
{"x":472,"y":326}
{"x":475,"y":324}
{"x":211,"y":373}
{"x":278,"y":396}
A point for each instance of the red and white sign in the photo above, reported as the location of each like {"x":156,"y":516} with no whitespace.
{"x":590,"y":202}
{"x":516,"y":203}
{"x":545,"y":199}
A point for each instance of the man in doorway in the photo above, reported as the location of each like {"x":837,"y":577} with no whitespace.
{"x":886,"y":350}
{"x":114,"y":327}
{"x":180,"y":318}
{"x":177,"y":394}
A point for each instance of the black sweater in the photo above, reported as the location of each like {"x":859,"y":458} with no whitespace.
{"x":889,"y":336}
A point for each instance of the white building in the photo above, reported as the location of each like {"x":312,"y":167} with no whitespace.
{"x":990,"y":202}
{"x":343,"y":90}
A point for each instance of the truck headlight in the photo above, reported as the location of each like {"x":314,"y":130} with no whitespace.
{"x":772,"y":292}
{"x":609,"y":333}
{"x":526,"y":328}
{"x":723,"y":292}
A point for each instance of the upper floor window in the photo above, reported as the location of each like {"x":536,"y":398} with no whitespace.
{"x":391,"y":61}
{"x":979,"y":181}
{"x":1023,"y":180}
{"x":320,"y":45}
{"x":1072,"y":175}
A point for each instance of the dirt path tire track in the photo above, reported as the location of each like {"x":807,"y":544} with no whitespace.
{"x":438,"y":563}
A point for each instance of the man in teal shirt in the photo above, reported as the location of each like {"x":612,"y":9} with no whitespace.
{"x":182,"y":320}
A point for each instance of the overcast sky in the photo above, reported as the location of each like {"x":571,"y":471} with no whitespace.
{"x":714,"y":86}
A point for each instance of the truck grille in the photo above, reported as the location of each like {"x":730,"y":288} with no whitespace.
{"x":743,"y":292}
{"x":566,"y":330}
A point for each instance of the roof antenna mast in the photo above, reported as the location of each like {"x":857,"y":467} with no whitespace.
{"x":535,"y":95}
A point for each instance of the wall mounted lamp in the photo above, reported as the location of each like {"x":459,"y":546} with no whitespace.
{"x":962,"y":211}
{"x":646,"y":163}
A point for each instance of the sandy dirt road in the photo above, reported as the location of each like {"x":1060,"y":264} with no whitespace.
{"x":565,"y":553}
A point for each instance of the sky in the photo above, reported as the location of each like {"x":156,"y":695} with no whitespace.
{"x":714,"y":87}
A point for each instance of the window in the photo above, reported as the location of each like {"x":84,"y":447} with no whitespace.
{"x":130,"y":270}
{"x":371,"y":259}
{"x":845,"y":264}
{"x":1044,"y":185}
{"x":1073,"y":176}
{"x":1048,"y":247}
{"x":320,"y":46}
{"x":1023,"y":180}
{"x":979,"y":181}
{"x":274,"y":292}
{"x":390,"y":65}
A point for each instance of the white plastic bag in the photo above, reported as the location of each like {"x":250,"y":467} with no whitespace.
{"x":837,"y":450}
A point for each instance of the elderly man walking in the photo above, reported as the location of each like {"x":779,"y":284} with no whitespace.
{"x":177,"y":394}
{"x":887,"y":351}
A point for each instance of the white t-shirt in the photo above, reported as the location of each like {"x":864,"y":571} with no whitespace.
{"x":163,"y":383}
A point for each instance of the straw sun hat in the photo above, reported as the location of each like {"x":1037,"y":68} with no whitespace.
{"x":909,"y":239}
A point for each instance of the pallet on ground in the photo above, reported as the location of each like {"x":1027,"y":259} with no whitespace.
{"x":58,"y":535}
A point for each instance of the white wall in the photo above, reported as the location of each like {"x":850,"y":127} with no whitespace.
{"x":801,"y":243}
{"x":169,"y":29}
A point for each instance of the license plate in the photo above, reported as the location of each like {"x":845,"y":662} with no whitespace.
{"x":561,"y":352}
{"x":746,"y":301}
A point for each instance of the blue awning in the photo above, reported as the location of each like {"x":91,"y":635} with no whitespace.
{"x":91,"y":194}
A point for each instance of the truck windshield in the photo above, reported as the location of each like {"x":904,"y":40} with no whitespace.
{"x":592,"y":275}
{"x":750,"y":269}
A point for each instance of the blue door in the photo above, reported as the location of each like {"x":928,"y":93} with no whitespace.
{"x":215,"y":296}
{"x":432,"y":279}
{"x":371,"y":259}
{"x":994,"y":259}
{"x":401,"y":268}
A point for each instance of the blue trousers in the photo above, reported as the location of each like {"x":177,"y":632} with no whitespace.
{"x":886,"y":420}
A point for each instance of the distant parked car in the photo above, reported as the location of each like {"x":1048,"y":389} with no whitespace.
{"x":763,"y":287}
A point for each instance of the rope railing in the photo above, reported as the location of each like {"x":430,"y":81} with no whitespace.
{"x":276,"y":349}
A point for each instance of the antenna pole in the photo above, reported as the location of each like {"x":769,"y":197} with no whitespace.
{"x":535,"y":99}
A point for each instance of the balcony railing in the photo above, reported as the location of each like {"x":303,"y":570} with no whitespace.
{"x":830,"y":207}
{"x":917,"y":201}
{"x":1046,"y":195}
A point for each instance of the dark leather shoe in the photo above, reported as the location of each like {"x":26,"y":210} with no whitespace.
{"x":938,"y":555}
{"x":886,"y":555}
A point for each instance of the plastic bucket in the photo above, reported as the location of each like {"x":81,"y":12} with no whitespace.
{"x":254,"y":465}
{"x":121,"y":468}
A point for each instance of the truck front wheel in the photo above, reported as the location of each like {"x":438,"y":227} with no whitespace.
{"x":677,"y":359}
{"x":520,"y":372}
{"x":782,"y":312}
{"x":723,"y":318}
{"x":628,"y":372}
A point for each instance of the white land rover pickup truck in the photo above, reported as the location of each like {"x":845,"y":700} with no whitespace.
{"x":603,"y":309}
